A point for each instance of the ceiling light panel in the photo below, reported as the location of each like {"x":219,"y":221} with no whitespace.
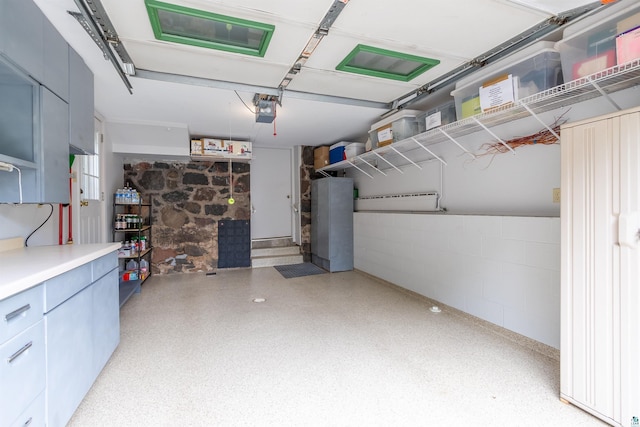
{"x":383,"y":63}
{"x":200,"y":28}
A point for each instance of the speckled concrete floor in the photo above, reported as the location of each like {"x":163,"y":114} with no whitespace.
{"x":337,"y":349}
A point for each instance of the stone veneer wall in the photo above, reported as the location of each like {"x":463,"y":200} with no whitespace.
{"x":188,"y":201}
{"x":307,"y":172}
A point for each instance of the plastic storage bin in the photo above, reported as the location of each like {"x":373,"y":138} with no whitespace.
{"x":534,"y":69}
{"x":441,"y":115}
{"x":354,"y":149}
{"x":336,"y":152}
{"x":394,"y":128}
{"x":589,"y":45}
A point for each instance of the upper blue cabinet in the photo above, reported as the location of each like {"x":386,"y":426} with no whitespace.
{"x":80,"y":104}
{"x":56,"y":62}
{"x":22,"y":35}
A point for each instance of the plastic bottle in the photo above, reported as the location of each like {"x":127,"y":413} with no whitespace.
{"x":132,"y":265}
{"x":144,"y":265}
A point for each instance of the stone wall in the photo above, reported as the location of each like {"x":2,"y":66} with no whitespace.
{"x":307,"y":173}
{"x":188,"y":200}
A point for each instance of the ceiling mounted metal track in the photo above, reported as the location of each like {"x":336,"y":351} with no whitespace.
{"x":516,"y":43}
{"x":220,"y":84}
{"x":93,"y":18}
{"x":321,"y":32}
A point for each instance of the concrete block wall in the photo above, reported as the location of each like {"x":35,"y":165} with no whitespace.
{"x":503,"y":269}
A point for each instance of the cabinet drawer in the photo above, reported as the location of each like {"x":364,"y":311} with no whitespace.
{"x":62,"y":287}
{"x":22,"y":369}
{"x":20,"y":311}
{"x":33,"y":415}
{"x":103,"y":265}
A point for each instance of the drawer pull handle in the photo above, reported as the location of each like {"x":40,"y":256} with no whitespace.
{"x":28,"y":422}
{"x":17,"y":354}
{"x":17,"y":312}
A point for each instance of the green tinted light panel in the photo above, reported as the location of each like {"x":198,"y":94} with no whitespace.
{"x":194,"y":27}
{"x":387,"y":64}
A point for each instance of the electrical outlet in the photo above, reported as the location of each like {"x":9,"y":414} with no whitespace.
{"x":556,"y":195}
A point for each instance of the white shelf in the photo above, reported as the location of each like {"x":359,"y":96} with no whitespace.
{"x":415,"y":150}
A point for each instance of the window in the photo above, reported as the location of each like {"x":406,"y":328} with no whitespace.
{"x":195,"y":27}
{"x":90,"y":172}
{"x":387,"y":64}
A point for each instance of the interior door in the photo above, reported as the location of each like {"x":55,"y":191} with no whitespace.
{"x":90,"y":194}
{"x":271,"y":198}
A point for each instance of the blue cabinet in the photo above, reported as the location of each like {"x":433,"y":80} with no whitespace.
{"x":21,"y":25}
{"x":80,"y":104}
{"x":22,"y":352}
{"x":46,"y":106}
{"x":56,"y":62}
{"x":53,"y":172}
{"x":82,"y":330}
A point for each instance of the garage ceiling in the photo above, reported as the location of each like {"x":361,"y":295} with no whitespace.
{"x":211,"y":92}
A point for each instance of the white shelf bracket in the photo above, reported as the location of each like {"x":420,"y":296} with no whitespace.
{"x":493,"y":135}
{"x":388,"y":162}
{"x":457,"y":143}
{"x":603,"y":93}
{"x":362,"y":170}
{"x":405,"y":157}
{"x":429,"y":151}
{"x":535,"y":116}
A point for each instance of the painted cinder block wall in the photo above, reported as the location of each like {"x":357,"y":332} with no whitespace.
{"x":495,"y":252}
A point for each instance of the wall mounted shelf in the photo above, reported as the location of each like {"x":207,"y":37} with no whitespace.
{"x":415,"y":150}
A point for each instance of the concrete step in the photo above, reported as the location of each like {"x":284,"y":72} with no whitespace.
{"x":271,"y":243}
{"x":277,"y":251}
{"x":270,"y":261}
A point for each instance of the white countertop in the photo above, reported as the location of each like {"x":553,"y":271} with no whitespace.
{"x":23,"y":268}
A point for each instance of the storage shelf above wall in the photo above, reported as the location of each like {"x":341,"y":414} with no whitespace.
{"x":415,"y":150}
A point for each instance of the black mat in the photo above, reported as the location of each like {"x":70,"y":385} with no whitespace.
{"x":299,"y":270}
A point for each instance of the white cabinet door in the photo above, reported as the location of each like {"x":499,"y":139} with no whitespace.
{"x":600,"y":269}
{"x":70,"y":370}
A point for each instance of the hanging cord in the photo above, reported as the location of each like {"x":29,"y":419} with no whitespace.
{"x":231,"y":200}
{"x":242,"y":100}
{"x":275,"y":113}
{"x":20,"y":183}
{"x":26,"y":241}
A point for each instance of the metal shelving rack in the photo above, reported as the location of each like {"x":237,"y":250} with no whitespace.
{"x":415,"y":150}
{"x":129,"y":287}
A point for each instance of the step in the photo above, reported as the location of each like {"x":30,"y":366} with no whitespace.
{"x":270,"y":261}
{"x":271,"y":243}
{"x":277,"y":251}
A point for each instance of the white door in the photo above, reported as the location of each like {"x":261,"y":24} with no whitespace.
{"x":271,"y":198}
{"x":90,"y":194}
